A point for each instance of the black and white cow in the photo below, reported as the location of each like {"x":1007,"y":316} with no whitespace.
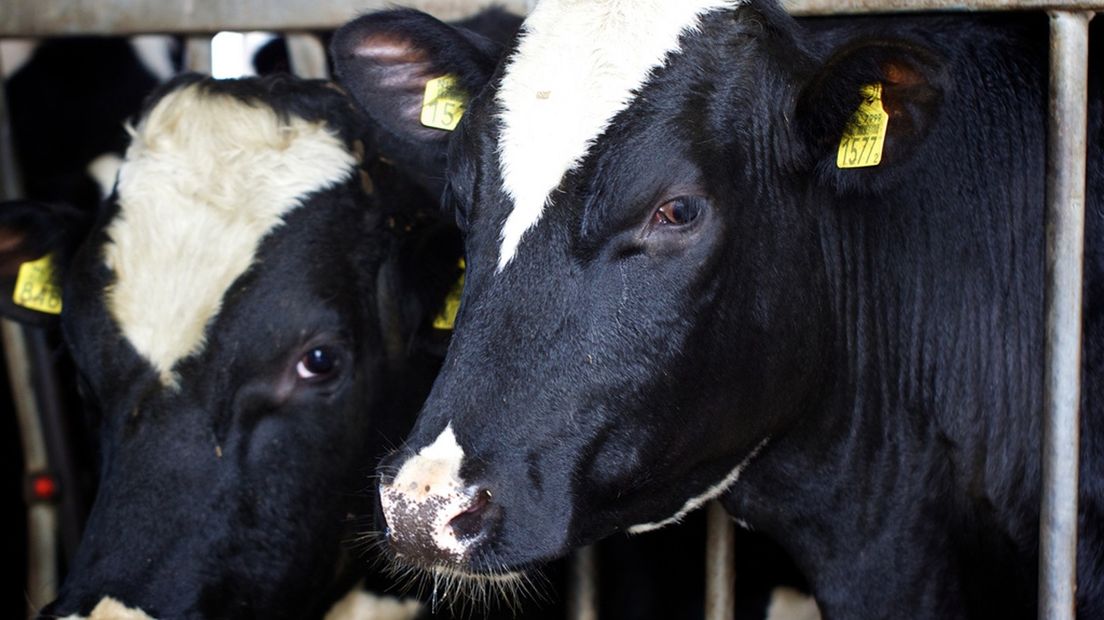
{"x":674,"y":294}
{"x":242,"y":322}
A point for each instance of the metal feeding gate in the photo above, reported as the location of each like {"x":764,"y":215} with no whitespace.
{"x":1065,"y":196}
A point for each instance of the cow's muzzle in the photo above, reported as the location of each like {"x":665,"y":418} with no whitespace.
{"x":433,"y":517}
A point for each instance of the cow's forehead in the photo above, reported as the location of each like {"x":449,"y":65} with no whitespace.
{"x":206,"y":177}
{"x":578,"y":63}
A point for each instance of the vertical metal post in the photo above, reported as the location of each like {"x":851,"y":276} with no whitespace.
{"x":42,"y":518}
{"x":10,"y":186}
{"x":307,"y":57}
{"x":1065,"y":231}
{"x":720,"y":564}
{"x":197,"y":54}
{"x":583,"y":602}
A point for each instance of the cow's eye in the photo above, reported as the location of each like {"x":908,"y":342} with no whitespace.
{"x":678,"y":212}
{"x":317,"y":364}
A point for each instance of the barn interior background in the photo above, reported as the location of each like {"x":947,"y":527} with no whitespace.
{"x":35,"y":458}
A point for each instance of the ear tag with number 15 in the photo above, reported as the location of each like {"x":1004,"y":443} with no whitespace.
{"x":864,"y":136}
{"x":443,"y":103}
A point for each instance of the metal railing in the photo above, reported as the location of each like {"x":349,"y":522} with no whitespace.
{"x":1066,"y":155}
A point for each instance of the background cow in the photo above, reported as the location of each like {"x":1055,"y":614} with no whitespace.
{"x":675,"y":293}
{"x":241,"y":321}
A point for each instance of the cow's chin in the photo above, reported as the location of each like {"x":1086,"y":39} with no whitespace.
{"x":462,"y":586}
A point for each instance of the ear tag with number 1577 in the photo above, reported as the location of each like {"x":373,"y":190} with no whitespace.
{"x":864,"y":136}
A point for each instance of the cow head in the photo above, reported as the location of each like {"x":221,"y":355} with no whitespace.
{"x":645,"y":303}
{"x":239,"y":319}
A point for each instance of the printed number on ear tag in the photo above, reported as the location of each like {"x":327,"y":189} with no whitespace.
{"x":446,"y":318}
{"x":864,"y":136}
{"x":443,"y":104}
{"x":35,"y":288}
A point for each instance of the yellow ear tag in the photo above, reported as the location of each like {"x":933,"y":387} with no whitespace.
{"x":864,"y":136}
{"x":443,"y":104}
{"x":35,"y":288}
{"x":446,"y":318}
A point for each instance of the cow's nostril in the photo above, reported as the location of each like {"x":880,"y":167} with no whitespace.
{"x":475,"y":518}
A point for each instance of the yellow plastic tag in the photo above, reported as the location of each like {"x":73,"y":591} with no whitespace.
{"x":443,"y":104}
{"x":864,"y":136}
{"x":446,"y":318}
{"x":35,"y":288}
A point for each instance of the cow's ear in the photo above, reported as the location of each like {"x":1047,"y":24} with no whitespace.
{"x":865,"y":114}
{"x":412,"y":75}
{"x":37,"y":241}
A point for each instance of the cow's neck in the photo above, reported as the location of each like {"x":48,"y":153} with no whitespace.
{"x":849,"y":524}
{"x":888,"y":445}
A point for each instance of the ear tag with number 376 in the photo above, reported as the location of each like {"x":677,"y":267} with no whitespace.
{"x":864,"y":136}
{"x":35,"y":288}
{"x":443,"y":103}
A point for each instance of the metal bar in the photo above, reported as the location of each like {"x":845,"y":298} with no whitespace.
{"x":42,"y":569}
{"x":120,"y":17}
{"x":10,"y":184}
{"x":1069,"y":40}
{"x":583,"y":592}
{"x":720,"y":564}
{"x":61,"y":17}
{"x":197,"y":54}
{"x":307,"y":56}
{"x":852,"y":7}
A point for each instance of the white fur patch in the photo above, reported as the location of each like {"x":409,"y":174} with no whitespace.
{"x":111,"y":609}
{"x":577,"y":65}
{"x":205,"y":178}
{"x":361,"y":605}
{"x":155,"y":53}
{"x":14,"y":53}
{"x":694,"y":503}
{"x":427,"y":493}
{"x":104,"y":170}
{"x":789,"y":604}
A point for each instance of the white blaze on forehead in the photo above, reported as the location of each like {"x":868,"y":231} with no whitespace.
{"x":576,"y":66}
{"x":111,"y":609}
{"x":205,"y":178}
{"x":425,"y":495}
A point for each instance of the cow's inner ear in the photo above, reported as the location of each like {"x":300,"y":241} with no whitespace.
{"x":385,"y":60}
{"x":909,"y":80}
{"x":388,"y":80}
